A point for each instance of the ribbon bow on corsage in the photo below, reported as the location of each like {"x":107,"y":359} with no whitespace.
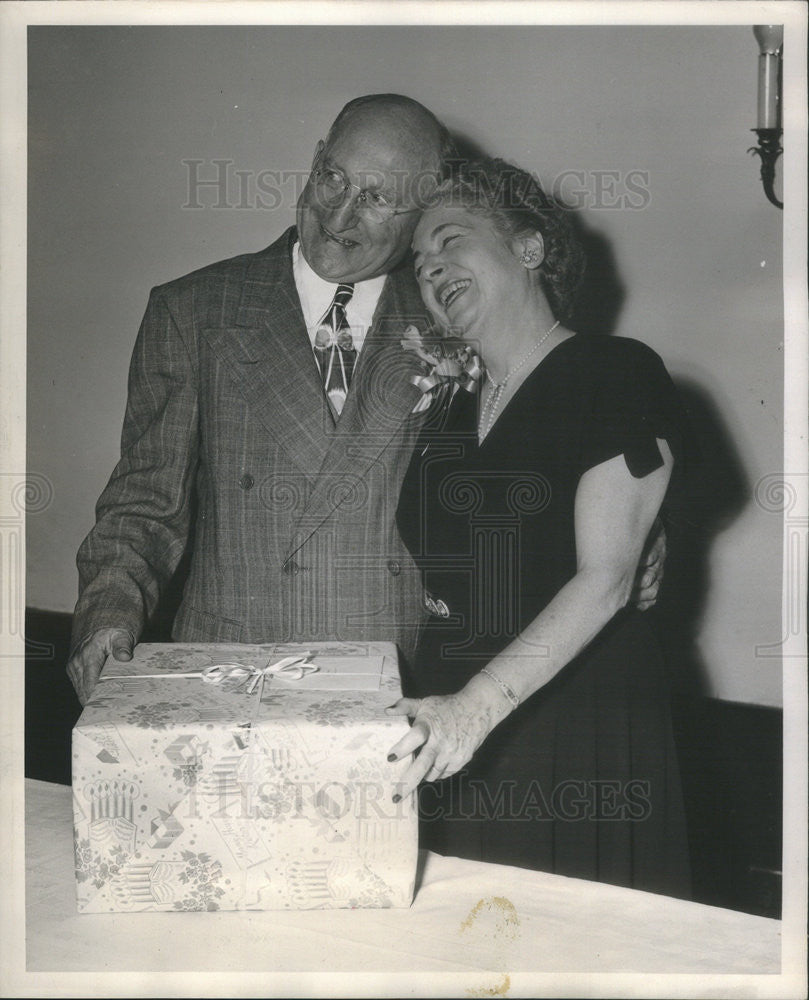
{"x":292,"y":668}
{"x":453,"y":364}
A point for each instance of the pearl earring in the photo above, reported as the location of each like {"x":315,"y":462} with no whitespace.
{"x":529,"y":257}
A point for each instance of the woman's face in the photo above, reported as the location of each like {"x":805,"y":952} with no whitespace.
{"x":467,"y":271}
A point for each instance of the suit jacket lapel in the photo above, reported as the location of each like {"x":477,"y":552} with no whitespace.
{"x":269,"y":355}
{"x":381,"y":397}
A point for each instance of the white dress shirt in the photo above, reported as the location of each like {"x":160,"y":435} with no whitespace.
{"x":316,"y":296}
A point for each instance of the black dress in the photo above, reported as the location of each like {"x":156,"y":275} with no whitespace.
{"x":582,"y":778}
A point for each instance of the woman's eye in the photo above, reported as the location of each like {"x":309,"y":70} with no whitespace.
{"x":440,"y":246}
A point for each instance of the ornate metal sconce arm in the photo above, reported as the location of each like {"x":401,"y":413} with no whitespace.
{"x":769,"y":149}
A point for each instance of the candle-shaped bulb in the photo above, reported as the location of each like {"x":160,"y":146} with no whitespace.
{"x":770,"y":37}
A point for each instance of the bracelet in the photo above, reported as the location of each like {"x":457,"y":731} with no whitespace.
{"x":506,"y":689}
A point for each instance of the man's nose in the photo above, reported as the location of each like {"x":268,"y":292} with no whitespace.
{"x":344,"y":215}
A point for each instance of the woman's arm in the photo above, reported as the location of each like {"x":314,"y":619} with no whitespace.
{"x":614,"y":513}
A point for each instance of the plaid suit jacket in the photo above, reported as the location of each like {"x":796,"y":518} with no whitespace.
{"x":295,"y":535}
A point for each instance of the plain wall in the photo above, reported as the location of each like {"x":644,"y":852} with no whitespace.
{"x":689,"y":261}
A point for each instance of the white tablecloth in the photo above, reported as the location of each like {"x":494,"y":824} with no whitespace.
{"x":466,"y":917}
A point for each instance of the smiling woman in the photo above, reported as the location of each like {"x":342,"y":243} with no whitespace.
{"x":538,"y":699}
{"x":506,"y":211}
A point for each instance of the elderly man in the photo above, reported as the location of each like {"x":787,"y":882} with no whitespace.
{"x":270,"y":394}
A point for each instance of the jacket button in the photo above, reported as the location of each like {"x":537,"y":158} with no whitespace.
{"x":247,"y":482}
{"x":290,"y":567}
{"x":393,"y":567}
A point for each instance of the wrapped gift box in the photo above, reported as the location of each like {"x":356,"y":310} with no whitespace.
{"x":201,"y":783}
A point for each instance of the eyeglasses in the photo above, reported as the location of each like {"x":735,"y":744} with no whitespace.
{"x":332,"y":185}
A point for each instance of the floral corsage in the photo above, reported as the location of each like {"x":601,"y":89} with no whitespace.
{"x":450,"y":364}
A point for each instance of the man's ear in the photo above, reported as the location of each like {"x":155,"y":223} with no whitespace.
{"x":530,"y":250}
{"x":318,"y":153}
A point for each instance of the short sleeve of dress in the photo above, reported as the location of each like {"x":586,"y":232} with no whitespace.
{"x":632,"y":402}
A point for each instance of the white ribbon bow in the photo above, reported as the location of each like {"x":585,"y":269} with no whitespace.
{"x":293,"y":668}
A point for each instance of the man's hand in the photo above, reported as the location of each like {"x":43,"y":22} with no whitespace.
{"x":87,"y":660}
{"x":650,"y":571}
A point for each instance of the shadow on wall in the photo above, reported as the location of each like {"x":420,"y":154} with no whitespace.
{"x":714,"y":490}
{"x":602,"y":294}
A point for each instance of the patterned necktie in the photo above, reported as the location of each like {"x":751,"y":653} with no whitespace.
{"x":334,"y":349}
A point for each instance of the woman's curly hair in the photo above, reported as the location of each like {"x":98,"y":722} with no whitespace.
{"x":516,"y":204}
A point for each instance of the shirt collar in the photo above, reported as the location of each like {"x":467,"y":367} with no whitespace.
{"x":316,"y":294}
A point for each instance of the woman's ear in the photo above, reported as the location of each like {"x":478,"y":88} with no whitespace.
{"x":530,"y":250}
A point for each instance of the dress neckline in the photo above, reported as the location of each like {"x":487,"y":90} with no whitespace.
{"x":528,"y":378}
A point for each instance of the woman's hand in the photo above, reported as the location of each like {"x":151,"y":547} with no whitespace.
{"x":448,"y":728}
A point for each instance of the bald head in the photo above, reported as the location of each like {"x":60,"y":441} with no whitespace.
{"x":382,"y":158}
{"x":404,"y":119}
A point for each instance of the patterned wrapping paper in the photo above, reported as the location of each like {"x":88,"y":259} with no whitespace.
{"x":193,"y":796}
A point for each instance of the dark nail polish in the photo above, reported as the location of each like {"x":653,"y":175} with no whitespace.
{"x":397,"y":797}
{"x":392,"y":757}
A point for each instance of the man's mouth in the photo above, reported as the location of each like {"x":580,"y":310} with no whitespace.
{"x":448,"y":293}
{"x":339,"y":240}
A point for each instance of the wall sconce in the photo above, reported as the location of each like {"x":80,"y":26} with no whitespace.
{"x":770,"y":38}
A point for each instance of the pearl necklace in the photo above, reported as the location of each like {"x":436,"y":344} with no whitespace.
{"x":489,"y":409}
